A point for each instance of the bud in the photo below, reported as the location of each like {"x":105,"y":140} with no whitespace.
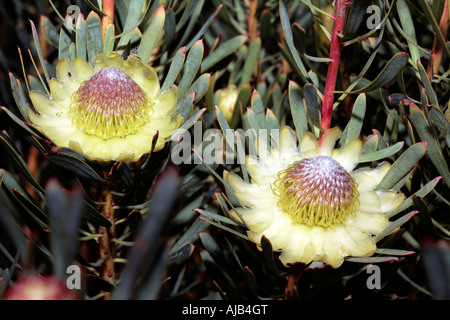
{"x":226,"y":100}
{"x":36,"y":287}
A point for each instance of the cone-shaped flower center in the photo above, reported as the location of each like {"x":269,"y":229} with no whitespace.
{"x":317,"y":191}
{"x":110,"y":104}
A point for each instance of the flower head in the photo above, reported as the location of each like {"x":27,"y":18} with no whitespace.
{"x":109,"y":111}
{"x":308,"y":200}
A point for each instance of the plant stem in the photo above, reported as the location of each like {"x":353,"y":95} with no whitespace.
{"x":333,"y":67}
{"x":108,"y":18}
{"x":106,"y":245}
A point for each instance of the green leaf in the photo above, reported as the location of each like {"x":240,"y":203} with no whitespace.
{"x":65,"y":213}
{"x":94,"y":36}
{"x":223,"y":51}
{"x":403,"y":165}
{"x":39,"y":50}
{"x":80,"y":36}
{"x":312,"y":104}
{"x":297,"y":109}
{"x":131,"y":22}
{"x":387,"y":74}
{"x":191,"y":68}
{"x":200,"y":86}
{"x":427,"y":134}
{"x":73,"y":162}
{"x":109,"y":39}
{"x":286,"y":25}
{"x":151,"y":34}
{"x":408,"y":27}
{"x":19,"y":97}
{"x":50,"y":32}
{"x":381,"y":154}
{"x":394,"y":225}
{"x":64,"y":42}
{"x":250,"y":61}
{"x":175,"y":68}
{"x":426,"y":83}
{"x":354,"y":126}
{"x":16,"y":158}
{"x":217,"y":217}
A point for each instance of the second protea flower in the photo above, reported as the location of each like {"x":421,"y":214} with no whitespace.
{"x":109,"y":111}
{"x":308,"y":200}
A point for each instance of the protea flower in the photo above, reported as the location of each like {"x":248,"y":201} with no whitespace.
{"x":227,"y":99}
{"x":310,"y":203}
{"x":109,"y":111}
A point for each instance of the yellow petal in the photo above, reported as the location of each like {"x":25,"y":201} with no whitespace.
{"x":390,"y":200}
{"x":44,"y":105}
{"x":82,"y":70}
{"x":369,"y":202}
{"x":299,"y":238}
{"x":288,"y":142}
{"x":255,"y":220}
{"x":61,"y":92}
{"x":372,"y":223}
{"x":112,"y":59}
{"x":308,"y":142}
{"x":258,"y":171}
{"x":329,"y":139}
{"x":349,"y":154}
{"x":332,"y":248}
{"x":354,"y":241}
{"x":165,"y":103}
{"x":64,"y":70}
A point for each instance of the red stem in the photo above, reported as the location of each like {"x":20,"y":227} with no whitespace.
{"x":437,"y":50}
{"x":333,"y":68}
{"x":108,"y":18}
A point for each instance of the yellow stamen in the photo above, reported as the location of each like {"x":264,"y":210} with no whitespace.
{"x":110,"y":104}
{"x":317,"y":192}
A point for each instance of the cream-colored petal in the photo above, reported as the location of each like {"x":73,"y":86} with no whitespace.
{"x":144,"y":75}
{"x":166,"y":102}
{"x":64,"y":70}
{"x":82,"y":70}
{"x":390,"y":199}
{"x":255,"y":220}
{"x":380,"y":171}
{"x":259,"y":172}
{"x":112,"y":59}
{"x":308,"y":142}
{"x":298,"y":242}
{"x":44,"y":105}
{"x":369,"y":202}
{"x":354,"y":241}
{"x":364,"y":180}
{"x":372,"y":223}
{"x":61,"y":92}
{"x":334,"y":254}
{"x":349,"y":154}
{"x":329,"y":139}
{"x":288,"y":142}
{"x":276,"y":232}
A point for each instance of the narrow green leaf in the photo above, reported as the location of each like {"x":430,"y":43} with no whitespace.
{"x":131,"y":22}
{"x":394,"y":225}
{"x":297,"y":109}
{"x":64,"y":42}
{"x":205,"y":25}
{"x":387,"y":74}
{"x":70,"y":160}
{"x":175,"y":68}
{"x":94,"y":36}
{"x":109,"y":39}
{"x":223,"y":51}
{"x":408,"y":27}
{"x":151,"y":34}
{"x":19,"y":96}
{"x":403,"y":165}
{"x":381,"y":154}
{"x":312,"y":104}
{"x":217,"y":217}
{"x":427,"y":133}
{"x":190,"y":236}
{"x":250,"y":61}
{"x":80,"y":36}
{"x":426,"y":83}
{"x":191,"y":68}
{"x":39,"y":50}
{"x":353,"y":129}
{"x":286,"y":25}
{"x":16,"y":158}
{"x":50,"y":32}
{"x":200,"y":86}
